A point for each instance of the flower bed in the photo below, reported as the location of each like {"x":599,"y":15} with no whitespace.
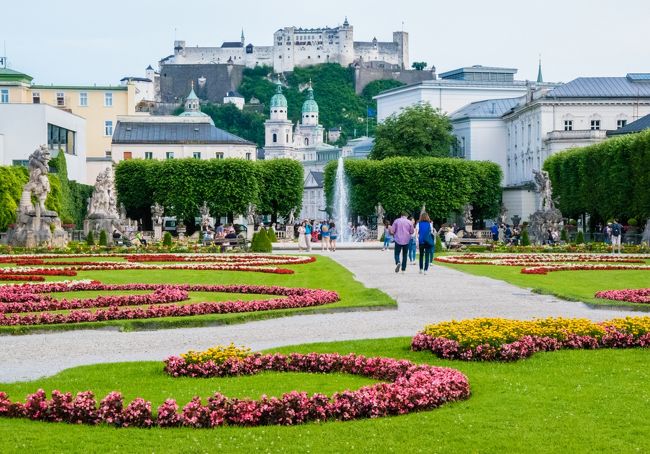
{"x":496,"y":339}
{"x":641,"y":295}
{"x":411,"y":388}
{"x":27,"y":298}
{"x":545,"y":263}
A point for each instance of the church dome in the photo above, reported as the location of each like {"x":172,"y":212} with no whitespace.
{"x":310,"y":106}
{"x":278,"y":99}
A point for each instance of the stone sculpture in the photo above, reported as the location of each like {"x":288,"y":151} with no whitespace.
{"x":102,"y":207}
{"x":157,"y":211}
{"x":205,"y":216}
{"x":35,"y":224}
{"x":547,"y":218}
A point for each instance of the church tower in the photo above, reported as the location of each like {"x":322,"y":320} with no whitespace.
{"x":309,"y":134}
{"x":278,"y":137}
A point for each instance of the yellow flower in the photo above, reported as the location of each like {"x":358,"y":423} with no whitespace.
{"x":219,"y":354}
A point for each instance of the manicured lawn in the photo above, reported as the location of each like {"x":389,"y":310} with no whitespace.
{"x":567,"y":401}
{"x":324,"y":273}
{"x":569,"y":285}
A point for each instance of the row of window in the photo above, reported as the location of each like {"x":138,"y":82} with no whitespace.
{"x":170,"y":155}
{"x":60,"y":98}
{"x":594,"y":125}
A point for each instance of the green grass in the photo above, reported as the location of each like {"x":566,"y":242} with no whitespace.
{"x":567,"y":401}
{"x":324,"y":273}
{"x":568,"y":285}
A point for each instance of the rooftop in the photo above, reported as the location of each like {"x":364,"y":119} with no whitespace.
{"x":460,"y":73}
{"x":229,"y":44}
{"x":82,"y":87}
{"x":151,"y":132}
{"x":639,"y":125}
{"x":454,"y":83}
{"x":634,"y":85}
{"x":9,"y":75}
{"x":490,"y":108}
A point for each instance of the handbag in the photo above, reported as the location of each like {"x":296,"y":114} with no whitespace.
{"x":429,"y":240}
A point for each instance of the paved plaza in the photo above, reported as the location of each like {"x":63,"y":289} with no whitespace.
{"x":443,"y":294}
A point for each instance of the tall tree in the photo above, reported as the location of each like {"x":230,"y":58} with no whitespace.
{"x":418,"y":131}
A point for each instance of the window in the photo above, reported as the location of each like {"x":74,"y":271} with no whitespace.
{"x":275,"y":138}
{"x":4,"y":96}
{"x":620,"y":124}
{"x":306,"y":141}
{"x":218,"y":155}
{"x":128,"y":155}
{"x":148,"y":155}
{"x":248,"y":156}
{"x":36,"y":98}
{"x":169,"y":155}
{"x":83,"y":99}
{"x":59,"y":138}
{"x":60,"y":98}
{"x":287,"y":138}
{"x":196,"y":155}
{"x":568,"y":125}
{"x":108,"y":128}
{"x":108,"y":99}
{"x":108,"y":153}
{"x":595,"y":125}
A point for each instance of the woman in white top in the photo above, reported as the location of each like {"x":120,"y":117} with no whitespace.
{"x":302,"y":240}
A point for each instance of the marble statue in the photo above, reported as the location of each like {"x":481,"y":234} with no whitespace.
{"x":467,"y":214}
{"x":157,"y":211}
{"x":205,"y":216}
{"x":379,"y":210}
{"x":544,"y":189}
{"x":250,"y":214}
{"x":547,"y":218}
{"x":103,"y":202}
{"x":35,"y":224}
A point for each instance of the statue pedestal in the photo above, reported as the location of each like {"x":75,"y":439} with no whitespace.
{"x":380,"y":231}
{"x":97,"y":224}
{"x":181,"y":229}
{"x":469,"y":228}
{"x":157,"y":232}
{"x":250,"y":231}
{"x":288,"y":234}
{"x":34,"y":231}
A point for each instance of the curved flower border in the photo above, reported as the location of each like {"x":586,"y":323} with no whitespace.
{"x":10,"y":294}
{"x":641,"y":295}
{"x":412,"y":387}
{"x":614,"y":335}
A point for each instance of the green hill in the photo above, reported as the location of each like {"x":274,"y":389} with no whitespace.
{"x":339,"y":105}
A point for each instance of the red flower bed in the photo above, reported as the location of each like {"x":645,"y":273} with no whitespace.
{"x":641,"y":295}
{"x":411,"y":388}
{"x":15,"y":301}
{"x":12,"y":277}
{"x":577,"y":267}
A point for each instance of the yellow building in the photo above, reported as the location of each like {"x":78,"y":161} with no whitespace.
{"x":99,"y":105}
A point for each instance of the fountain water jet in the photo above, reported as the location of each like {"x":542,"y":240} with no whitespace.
{"x":341,"y":203}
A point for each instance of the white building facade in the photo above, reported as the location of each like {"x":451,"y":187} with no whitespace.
{"x":25,"y":127}
{"x":294,"y":46}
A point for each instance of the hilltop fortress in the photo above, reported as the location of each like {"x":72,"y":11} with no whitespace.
{"x":294,"y":46}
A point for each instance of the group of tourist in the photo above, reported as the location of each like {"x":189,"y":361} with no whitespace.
{"x":511,"y":236}
{"x":310,"y":232}
{"x":219,"y":232}
{"x":409,"y":235}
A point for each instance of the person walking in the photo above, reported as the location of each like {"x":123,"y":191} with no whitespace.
{"x":325,"y":236}
{"x":426,"y":240}
{"x":333,"y":236}
{"x":302,"y":241}
{"x":308,"y":234}
{"x":402,"y":229}
{"x":413,"y":242}
{"x":617,"y":233}
{"x":387,"y":237}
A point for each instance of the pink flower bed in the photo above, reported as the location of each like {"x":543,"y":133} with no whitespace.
{"x":411,"y":387}
{"x":579,"y":267}
{"x":641,"y":295}
{"x":26,"y":297}
{"x":526,"y":346}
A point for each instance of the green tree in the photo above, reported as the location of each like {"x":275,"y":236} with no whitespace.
{"x":418,"y":131}
{"x":419,"y":65}
{"x":245,"y":124}
{"x":103,"y":238}
{"x":90,"y":239}
{"x":281,"y":186}
{"x":12,"y":180}
{"x":167,"y":239}
{"x":135,"y":189}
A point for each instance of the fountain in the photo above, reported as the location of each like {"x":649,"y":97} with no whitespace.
{"x":341,"y":203}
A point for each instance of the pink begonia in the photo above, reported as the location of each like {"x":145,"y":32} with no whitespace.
{"x":410,"y":387}
{"x":641,"y":295}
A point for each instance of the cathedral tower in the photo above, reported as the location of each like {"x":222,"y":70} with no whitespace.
{"x":278,"y":136}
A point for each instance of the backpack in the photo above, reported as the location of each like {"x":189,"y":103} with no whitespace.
{"x":616,"y":229}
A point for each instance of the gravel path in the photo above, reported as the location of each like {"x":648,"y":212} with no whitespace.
{"x":443,"y":294}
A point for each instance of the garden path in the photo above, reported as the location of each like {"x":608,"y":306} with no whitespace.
{"x":443,"y":294}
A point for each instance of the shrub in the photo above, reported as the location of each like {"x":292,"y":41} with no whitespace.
{"x":271,"y":234}
{"x":563,"y":235}
{"x":633,"y":222}
{"x":261,"y":242}
{"x":103,"y":239}
{"x":167,"y":239}
{"x":525,"y":239}
{"x":438,"y":247}
{"x":90,"y":239}
{"x":580,"y":238}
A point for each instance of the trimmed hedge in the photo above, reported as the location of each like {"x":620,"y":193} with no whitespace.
{"x":607,"y":180}
{"x":227,"y":185}
{"x":445,"y":185}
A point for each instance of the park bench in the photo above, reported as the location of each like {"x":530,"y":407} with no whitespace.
{"x":227,"y":242}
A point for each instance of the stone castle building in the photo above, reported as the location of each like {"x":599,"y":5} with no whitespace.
{"x":293,"y":46}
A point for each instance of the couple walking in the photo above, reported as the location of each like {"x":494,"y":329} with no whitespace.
{"x":402,"y":231}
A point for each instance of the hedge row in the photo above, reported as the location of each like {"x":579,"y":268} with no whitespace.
{"x":445,"y":185}
{"x":227,"y":185}
{"x":609,"y":179}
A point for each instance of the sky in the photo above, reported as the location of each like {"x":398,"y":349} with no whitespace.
{"x":89,"y":42}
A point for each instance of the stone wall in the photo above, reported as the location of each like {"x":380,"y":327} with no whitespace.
{"x":211,"y":82}
{"x":364,"y":75}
